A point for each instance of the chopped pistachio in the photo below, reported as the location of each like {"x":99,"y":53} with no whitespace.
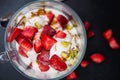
{"x":65,"y":44}
{"x":72,"y":54}
{"x":38,"y":25}
{"x":69,"y":27}
{"x":72,"y":61}
{"x":64,"y":54}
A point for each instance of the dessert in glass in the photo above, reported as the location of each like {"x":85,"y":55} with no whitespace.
{"x":48,"y":38}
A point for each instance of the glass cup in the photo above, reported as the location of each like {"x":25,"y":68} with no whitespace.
{"x":11,"y":54}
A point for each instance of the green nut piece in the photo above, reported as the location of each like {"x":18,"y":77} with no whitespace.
{"x":65,"y":44}
{"x":38,"y":25}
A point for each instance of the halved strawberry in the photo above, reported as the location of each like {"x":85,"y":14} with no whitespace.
{"x":29,"y":32}
{"x":26,"y":44}
{"x":57,"y":63}
{"x":97,"y":57}
{"x":37,"y":46}
{"x":90,"y":34}
{"x":22,"y":52}
{"x":14,"y":34}
{"x":48,"y":30}
{"x":113,"y":43}
{"x":84,"y":63}
{"x":43,"y":67}
{"x":62,"y":20}
{"x":43,"y":57}
{"x":72,"y":76}
{"x":50,"y":16}
{"x":87,"y":25}
{"x":47,"y":42}
{"x":61,"y":34}
{"x":107,"y":34}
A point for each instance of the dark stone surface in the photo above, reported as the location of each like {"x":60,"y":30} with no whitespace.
{"x":102,"y":14}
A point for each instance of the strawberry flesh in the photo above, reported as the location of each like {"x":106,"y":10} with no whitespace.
{"x":72,"y":76}
{"x":50,"y":16}
{"x":29,"y":66}
{"x":26,"y":44}
{"x":48,"y":30}
{"x":29,"y":32}
{"x":87,"y":25}
{"x":84,"y":63}
{"x":107,"y":34}
{"x":37,"y":46}
{"x":61,"y":34}
{"x":43,"y":57}
{"x":22,"y":52}
{"x":57,"y":63}
{"x":62,"y":21}
{"x":16,"y":32}
{"x":90,"y":34}
{"x":20,"y":38}
{"x":43,"y":68}
{"x":97,"y":57}
{"x":47,"y":42}
{"x":113,"y":44}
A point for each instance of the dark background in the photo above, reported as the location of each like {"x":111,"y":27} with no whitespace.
{"x":102,"y":14}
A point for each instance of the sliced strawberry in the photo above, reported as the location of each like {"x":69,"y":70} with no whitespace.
{"x":29,"y":66}
{"x":22,"y":52}
{"x":47,"y":42}
{"x":113,"y":43}
{"x":57,"y":63}
{"x":62,"y":20}
{"x":48,"y":30}
{"x":84,"y":63}
{"x":43,"y":57}
{"x":87,"y":25}
{"x":14,"y":34}
{"x":107,"y":34}
{"x":72,"y":76}
{"x":29,"y":32}
{"x":61,"y":34}
{"x":43,"y":67}
{"x":26,"y":44}
{"x":90,"y":34}
{"x":19,"y":38}
{"x":50,"y":16}
{"x":97,"y":57}
{"x":37,"y":46}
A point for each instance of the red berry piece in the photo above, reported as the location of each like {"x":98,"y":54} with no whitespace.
{"x":43,"y":57}
{"x":84,"y":63}
{"x":50,"y":16}
{"x":16,"y":32}
{"x":107,"y":34}
{"x":113,"y":44}
{"x":87,"y":25}
{"x":43,"y":68}
{"x":48,"y":30}
{"x":22,"y":52}
{"x":97,"y":58}
{"x":57,"y":63}
{"x":26,"y":44}
{"x":62,"y":20}
{"x":29,"y":32}
{"x":47,"y":42}
{"x":72,"y":76}
{"x":29,"y":66}
{"x":90,"y":34}
{"x":37,"y":46}
{"x":61,"y":34}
